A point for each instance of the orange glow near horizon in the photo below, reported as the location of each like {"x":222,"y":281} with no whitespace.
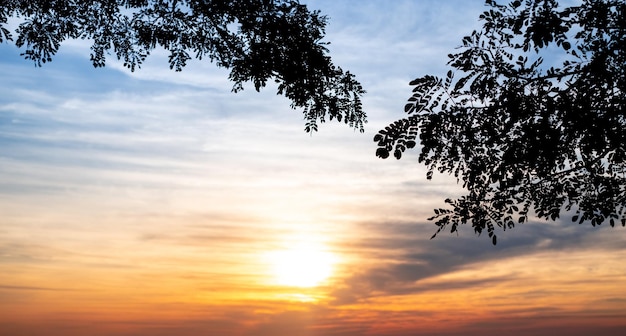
{"x":190,"y":274}
{"x":243,"y":297}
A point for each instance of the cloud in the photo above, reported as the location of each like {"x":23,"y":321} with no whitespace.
{"x":408,"y":261}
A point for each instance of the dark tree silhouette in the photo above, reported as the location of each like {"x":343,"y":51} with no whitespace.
{"x":534,"y":124}
{"x":258,"y":40}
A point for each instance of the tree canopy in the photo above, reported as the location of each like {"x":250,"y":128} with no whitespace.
{"x":530,"y":118}
{"x":258,"y":40}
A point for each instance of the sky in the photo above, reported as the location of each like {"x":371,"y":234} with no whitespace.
{"x":161,"y":203}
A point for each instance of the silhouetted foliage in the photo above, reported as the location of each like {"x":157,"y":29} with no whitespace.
{"x":257,"y":40}
{"x":534,"y":124}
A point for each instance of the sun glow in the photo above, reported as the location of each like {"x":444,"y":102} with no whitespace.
{"x":303,"y":265}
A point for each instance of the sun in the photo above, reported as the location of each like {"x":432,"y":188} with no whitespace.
{"x":303,"y":265}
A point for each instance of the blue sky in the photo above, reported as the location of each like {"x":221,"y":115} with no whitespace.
{"x":157,"y":177}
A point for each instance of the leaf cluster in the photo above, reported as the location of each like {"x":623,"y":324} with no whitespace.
{"x":258,"y":40}
{"x":525,"y":137}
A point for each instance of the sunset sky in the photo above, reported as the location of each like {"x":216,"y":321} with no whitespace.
{"x":161,"y":203}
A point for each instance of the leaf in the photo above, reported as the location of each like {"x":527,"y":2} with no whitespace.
{"x":382,"y":153}
{"x":417,"y":81}
{"x":461,"y":83}
{"x":567,"y":45}
{"x":449,"y":77}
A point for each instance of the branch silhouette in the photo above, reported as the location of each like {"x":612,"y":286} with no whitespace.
{"x":258,"y":40}
{"x":526,"y":138}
